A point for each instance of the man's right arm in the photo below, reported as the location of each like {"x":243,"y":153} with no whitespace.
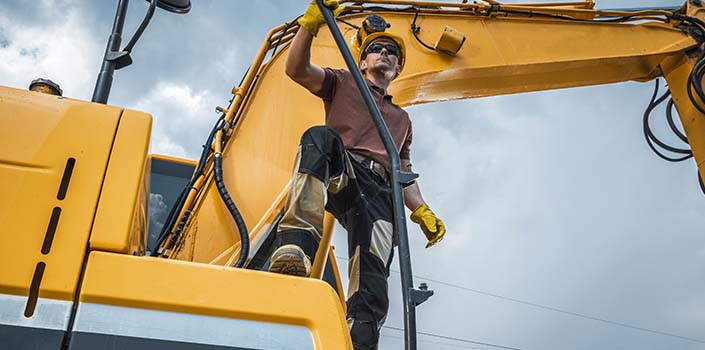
{"x":298,"y":64}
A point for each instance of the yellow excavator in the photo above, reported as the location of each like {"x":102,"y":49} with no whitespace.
{"x":84,"y":267}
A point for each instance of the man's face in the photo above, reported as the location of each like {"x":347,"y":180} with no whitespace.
{"x":43,"y":89}
{"x":380,"y":58}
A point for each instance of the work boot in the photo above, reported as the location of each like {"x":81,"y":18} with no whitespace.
{"x":290,"y":259}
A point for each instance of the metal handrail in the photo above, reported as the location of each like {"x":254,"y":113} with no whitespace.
{"x":412,"y":297}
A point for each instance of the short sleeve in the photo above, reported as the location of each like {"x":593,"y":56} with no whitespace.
{"x":405,"y":152}
{"x":331,"y":80}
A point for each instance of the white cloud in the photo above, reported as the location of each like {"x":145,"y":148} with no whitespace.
{"x":63,"y":49}
{"x":182,"y":118}
{"x":162,"y":144}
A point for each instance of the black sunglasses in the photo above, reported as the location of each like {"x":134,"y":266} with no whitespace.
{"x":377,"y":48}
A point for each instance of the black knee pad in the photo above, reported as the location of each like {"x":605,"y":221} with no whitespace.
{"x":322,"y":153}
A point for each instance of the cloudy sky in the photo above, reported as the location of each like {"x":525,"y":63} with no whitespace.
{"x":552,"y":200}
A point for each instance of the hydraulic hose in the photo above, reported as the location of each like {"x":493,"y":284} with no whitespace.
{"x":671,"y":123}
{"x":651,"y":139}
{"x":229,"y":203}
{"x":169,"y":221}
{"x":696,"y":75}
{"x":176,"y":208}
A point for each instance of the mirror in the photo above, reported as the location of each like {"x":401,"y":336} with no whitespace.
{"x":175,"y":6}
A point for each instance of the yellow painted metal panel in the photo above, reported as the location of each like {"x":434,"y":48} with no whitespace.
{"x":512,"y":55}
{"x":38,"y":134}
{"x":258,"y":162}
{"x":169,"y":285}
{"x":500,"y":56}
{"x":173,"y":159}
{"x":121,"y":221}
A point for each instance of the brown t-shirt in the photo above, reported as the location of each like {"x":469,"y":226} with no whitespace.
{"x":347,"y":114}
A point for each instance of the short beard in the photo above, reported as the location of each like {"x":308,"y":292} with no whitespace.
{"x":388,"y":73}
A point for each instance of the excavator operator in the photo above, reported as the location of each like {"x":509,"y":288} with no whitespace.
{"x":343,"y":167}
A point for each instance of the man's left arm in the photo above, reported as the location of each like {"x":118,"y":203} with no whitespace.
{"x":430,"y":224}
{"x":412,"y":193}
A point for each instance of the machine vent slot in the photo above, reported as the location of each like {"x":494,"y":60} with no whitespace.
{"x":34,"y":289}
{"x":64,"y":187}
{"x":51,"y":230}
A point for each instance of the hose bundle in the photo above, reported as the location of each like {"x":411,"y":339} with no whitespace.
{"x":651,"y":139}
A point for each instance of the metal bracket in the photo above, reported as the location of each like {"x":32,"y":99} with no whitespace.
{"x":418,"y":296}
{"x":407,"y":178}
{"x":122,"y":59}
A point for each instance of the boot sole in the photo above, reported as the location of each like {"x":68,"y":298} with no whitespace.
{"x":289,"y":262}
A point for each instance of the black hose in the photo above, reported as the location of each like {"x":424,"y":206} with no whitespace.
{"x":416,"y":29}
{"x":692,"y":98}
{"x":696,"y":75}
{"x":180,"y":227}
{"x":693,"y":20}
{"x":279,"y":40}
{"x":234,"y":212}
{"x":662,"y":144}
{"x":606,"y":19}
{"x":169,"y":221}
{"x":377,"y":9}
{"x":611,"y":19}
{"x":178,"y":205}
{"x":672,"y":123}
{"x":651,"y":138}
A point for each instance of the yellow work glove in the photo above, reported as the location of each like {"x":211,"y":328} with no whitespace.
{"x":431,"y":225}
{"x":313,"y":18}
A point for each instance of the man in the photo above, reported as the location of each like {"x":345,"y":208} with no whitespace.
{"x":45,"y":86}
{"x":343,"y":167}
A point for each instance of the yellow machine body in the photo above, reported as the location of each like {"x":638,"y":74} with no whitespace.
{"x":500,"y":56}
{"x":76,"y":179}
{"x":93,"y":248}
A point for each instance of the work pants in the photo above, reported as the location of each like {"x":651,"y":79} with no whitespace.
{"x":326,"y":176}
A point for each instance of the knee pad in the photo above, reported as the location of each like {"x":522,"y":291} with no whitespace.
{"x":322,"y":153}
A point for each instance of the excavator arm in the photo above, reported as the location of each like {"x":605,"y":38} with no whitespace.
{"x":502,"y":49}
{"x":507,"y":49}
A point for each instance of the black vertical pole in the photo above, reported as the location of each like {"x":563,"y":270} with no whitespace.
{"x":105,"y":77}
{"x":398,"y":178}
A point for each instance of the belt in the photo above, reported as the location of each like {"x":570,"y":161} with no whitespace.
{"x":370,"y":164}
